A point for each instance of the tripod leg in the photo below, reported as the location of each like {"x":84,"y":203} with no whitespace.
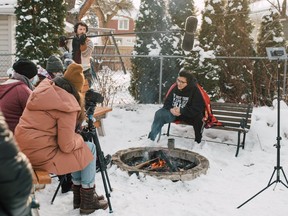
{"x":103,"y":166}
{"x":102,"y":163}
{"x":286,"y":185}
{"x":272,"y":176}
{"x":58,"y":187}
{"x":107,"y":193}
{"x":256,"y":194}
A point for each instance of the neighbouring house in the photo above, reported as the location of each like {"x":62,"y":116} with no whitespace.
{"x":122,"y":25}
{"x":7,"y":35}
{"x":125,"y":39}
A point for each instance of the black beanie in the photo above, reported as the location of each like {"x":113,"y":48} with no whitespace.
{"x":25,"y":67}
{"x":54,"y":64}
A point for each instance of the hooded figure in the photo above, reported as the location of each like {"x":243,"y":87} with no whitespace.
{"x":46,"y":133}
{"x":15,"y":175}
{"x":184,"y":102}
{"x":48,"y":109}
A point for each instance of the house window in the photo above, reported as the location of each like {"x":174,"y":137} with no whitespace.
{"x":119,"y":41}
{"x":123,"y":24}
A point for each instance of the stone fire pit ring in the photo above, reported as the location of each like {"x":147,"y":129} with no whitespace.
{"x":202,"y":164}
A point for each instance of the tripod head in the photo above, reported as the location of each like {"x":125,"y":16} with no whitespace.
{"x":91,"y":100}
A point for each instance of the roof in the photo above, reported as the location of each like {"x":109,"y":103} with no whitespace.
{"x":7,"y":7}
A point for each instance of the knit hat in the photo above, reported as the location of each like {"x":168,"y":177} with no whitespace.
{"x":25,"y":67}
{"x":43,"y":73}
{"x":74,"y":74}
{"x":54,"y":64}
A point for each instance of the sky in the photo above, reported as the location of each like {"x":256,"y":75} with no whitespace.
{"x":229,"y":180}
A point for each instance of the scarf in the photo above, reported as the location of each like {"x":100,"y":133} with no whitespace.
{"x":23,"y":79}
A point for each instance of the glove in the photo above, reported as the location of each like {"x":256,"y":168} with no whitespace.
{"x":82,"y":39}
{"x":62,"y":41}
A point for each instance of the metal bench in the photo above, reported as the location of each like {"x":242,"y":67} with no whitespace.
{"x":234,"y":117}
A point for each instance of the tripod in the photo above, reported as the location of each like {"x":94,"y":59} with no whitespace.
{"x":278,"y":168}
{"x":91,"y":134}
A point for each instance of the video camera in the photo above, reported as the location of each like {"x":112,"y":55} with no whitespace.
{"x":91,"y":99}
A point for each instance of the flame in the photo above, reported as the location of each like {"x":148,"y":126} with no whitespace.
{"x":159,"y":163}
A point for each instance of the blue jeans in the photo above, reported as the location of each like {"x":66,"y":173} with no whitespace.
{"x":161,"y":117}
{"x":86,"y":177}
{"x":164,"y":116}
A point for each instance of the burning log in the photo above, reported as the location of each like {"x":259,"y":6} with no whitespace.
{"x":168,"y":161}
{"x":141,"y":165}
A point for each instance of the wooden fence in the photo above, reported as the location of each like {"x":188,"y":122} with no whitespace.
{"x":113,"y":63}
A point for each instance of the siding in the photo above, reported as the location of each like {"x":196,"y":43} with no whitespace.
{"x":7,"y":42}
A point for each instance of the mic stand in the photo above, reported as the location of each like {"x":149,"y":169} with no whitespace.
{"x":278,"y":168}
{"x":103,"y":168}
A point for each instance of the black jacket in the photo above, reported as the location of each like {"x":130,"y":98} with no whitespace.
{"x":76,"y":52}
{"x":15,"y":175}
{"x":189,"y":100}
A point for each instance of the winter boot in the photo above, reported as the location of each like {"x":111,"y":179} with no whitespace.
{"x":99,"y":197}
{"x":76,"y":196}
{"x":90,"y":202}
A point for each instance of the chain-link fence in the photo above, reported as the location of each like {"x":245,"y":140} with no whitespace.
{"x":115,"y":84}
{"x":113,"y":76}
{"x":6,"y":62}
{"x":123,"y":76}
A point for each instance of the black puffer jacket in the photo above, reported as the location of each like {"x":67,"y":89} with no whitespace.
{"x":15,"y":175}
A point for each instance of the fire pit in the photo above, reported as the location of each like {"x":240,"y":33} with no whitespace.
{"x":162,"y":163}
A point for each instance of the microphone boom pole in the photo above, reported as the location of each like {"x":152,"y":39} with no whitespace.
{"x":130,"y":33}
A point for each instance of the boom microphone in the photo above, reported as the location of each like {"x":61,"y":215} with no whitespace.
{"x":190,"y":28}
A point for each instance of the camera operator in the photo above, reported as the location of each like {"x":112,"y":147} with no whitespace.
{"x":46,"y":134}
{"x":15,"y":176}
{"x":82,"y":48}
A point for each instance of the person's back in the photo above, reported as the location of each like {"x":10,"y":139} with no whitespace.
{"x":46,"y":133}
{"x":15,"y":176}
{"x":15,"y":91}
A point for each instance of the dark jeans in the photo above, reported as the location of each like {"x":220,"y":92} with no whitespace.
{"x":198,"y":125}
{"x":164,"y":116}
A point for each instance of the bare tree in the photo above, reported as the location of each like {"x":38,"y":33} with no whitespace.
{"x":281,"y":8}
{"x":70,"y":16}
{"x":105,"y":10}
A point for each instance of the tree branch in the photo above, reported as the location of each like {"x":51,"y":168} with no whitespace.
{"x":84,"y":8}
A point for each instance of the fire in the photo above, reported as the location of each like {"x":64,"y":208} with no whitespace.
{"x":158,"y":164}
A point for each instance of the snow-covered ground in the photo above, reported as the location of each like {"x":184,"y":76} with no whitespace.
{"x":228,"y":183}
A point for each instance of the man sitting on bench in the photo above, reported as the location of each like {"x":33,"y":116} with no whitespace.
{"x":184,"y":102}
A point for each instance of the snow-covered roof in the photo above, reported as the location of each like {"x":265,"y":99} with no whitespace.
{"x":7,"y":6}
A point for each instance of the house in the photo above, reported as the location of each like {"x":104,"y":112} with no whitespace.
{"x":7,"y":35}
{"x":122,"y":25}
{"x":125,"y":38}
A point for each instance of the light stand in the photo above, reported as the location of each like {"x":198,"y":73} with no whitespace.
{"x":275,"y":53}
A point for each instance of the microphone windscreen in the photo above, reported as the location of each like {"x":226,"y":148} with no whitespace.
{"x":190,"y":28}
